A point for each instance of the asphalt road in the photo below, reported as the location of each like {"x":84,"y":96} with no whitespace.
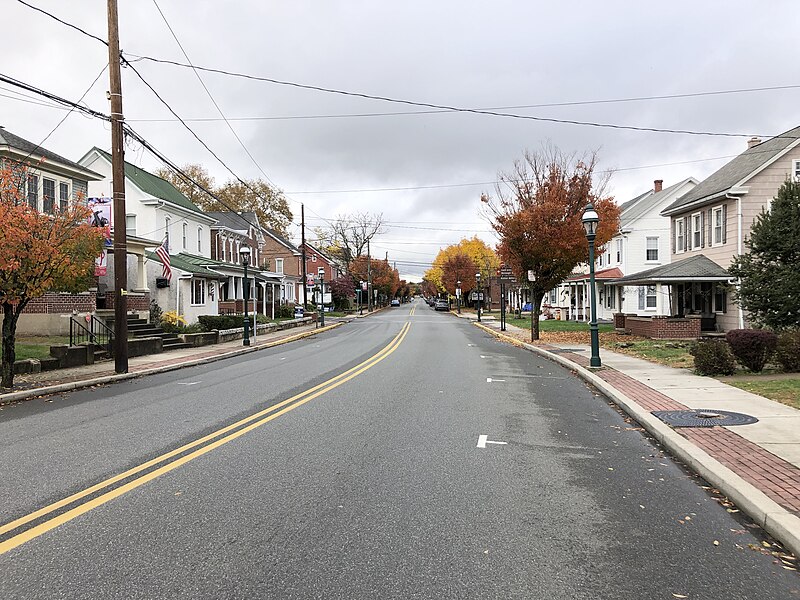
{"x":400,"y":456}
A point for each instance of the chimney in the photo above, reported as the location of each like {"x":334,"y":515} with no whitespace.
{"x":753,"y":141}
{"x":658,"y":185}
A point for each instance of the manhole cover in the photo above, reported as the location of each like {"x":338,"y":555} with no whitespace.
{"x":703,"y":418}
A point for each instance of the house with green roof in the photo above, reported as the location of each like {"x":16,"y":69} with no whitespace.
{"x":157,"y":211}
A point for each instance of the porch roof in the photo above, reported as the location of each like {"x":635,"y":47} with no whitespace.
{"x":695,"y":268}
{"x":603,"y":275}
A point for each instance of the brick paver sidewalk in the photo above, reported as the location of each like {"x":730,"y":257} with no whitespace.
{"x":777,"y":478}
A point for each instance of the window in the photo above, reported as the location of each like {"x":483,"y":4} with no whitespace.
{"x":199,"y":240}
{"x":796,"y":169}
{"x":33,"y":191}
{"x":553,"y":296}
{"x":652,"y":249}
{"x":166,"y":230}
{"x":650,"y":296}
{"x":63,"y":196}
{"x":680,"y":236}
{"x":279,"y":265}
{"x":720,"y":299}
{"x":610,"y":297}
{"x":619,"y":252}
{"x":198,"y":291}
{"x":184,"y":229}
{"x":718,"y":225}
{"x":313,"y":258}
{"x":697,"y":230}
{"x":130,"y":224}
{"x":600,"y":261}
{"x":48,"y":195}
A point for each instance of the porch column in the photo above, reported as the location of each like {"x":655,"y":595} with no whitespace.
{"x":141,"y":274}
{"x":659,"y":300}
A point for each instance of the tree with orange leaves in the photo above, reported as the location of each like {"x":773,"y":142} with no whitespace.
{"x":38,"y":252}
{"x":385,"y":279}
{"x":537,"y":211}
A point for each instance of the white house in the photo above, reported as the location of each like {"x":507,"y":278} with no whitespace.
{"x":642,"y":242}
{"x":156,"y":210}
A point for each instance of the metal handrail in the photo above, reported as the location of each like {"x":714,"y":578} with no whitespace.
{"x":103,"y":334}
{"x":98,"y":333}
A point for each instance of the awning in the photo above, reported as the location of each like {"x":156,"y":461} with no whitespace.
{"x":693,"y":269}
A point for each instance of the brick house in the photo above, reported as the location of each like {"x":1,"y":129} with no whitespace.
{"x":316,"y":259}
{"x":52,"y":182}
{"x":232,"y":231}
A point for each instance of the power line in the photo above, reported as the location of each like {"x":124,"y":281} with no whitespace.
{"x":63,"y":22}
{"x":444,"y":107}
{"x":429,"y":105}
{"x":208,"y":92}
{"x":69,"y":112}
{"x":511,"y":107}
{"x":53,"y":97}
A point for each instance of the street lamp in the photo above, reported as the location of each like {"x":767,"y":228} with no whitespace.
{"x":244,"y":255}
{"x":458,"y":295}
{"x":321,"y":278}
{"x":478,"y":285}
{"x":590,"y":220}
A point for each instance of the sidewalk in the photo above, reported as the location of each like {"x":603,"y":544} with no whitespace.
{"x":60,"y":380}
{"x":757,"y":466}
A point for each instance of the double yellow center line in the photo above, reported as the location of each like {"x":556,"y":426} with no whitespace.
{"x":147,"y":471}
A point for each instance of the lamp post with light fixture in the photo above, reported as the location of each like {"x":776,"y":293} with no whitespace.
{"x":244,"y":255}
{"x":590,"y":220}
{"x":478,"y":285}
{"x":458,"y":295}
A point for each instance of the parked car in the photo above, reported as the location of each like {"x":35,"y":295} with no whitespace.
{"x":442,"y":305}
{"x":395,"y":302}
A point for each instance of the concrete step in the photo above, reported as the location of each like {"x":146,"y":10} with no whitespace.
{"x":149,"y":332}
{"x":175,"y":345}
{"x":140,"y":324}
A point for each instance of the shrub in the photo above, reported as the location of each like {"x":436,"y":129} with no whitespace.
{"x":210,"y":322}
{"x":787,"y":351}
{"x":155,"y":312}
{"x":172,"y":322}
{"x":752,"y":347}
{"x":713,"y":357}
{"x":285,"y":311}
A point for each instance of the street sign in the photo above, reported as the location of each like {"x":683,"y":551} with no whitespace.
{"x":531,"y":275}
{"x":506,"y":274}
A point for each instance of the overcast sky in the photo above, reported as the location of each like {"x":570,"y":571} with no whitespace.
{"x":455,"y":53}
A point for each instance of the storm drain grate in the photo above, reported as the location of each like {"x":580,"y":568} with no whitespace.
{"x":703,"y":418}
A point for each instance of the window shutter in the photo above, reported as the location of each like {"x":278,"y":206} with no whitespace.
{"x":672,"y":233}
{"x":687,"y":233}
{"x":702,"y":229}
{"x":642,"y":292}
{"x":710,"y":226}
{"x":724,"y":223}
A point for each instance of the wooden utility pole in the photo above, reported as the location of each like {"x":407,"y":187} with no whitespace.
{"x":369,"y":279}
{"x":118,"y":183}
{"x":303,"y":249}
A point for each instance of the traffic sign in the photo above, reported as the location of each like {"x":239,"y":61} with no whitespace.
{"x":506,"y":274}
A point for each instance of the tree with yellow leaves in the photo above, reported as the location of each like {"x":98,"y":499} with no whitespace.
{"x":476,"y":250}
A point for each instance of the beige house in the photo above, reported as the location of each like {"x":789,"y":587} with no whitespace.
{"x":712,"y":221}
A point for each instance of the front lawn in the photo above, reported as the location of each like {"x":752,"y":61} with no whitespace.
{"x":37,"y":347}
{"x":555,"y":325}
{"x":672,"y":353}
{"x":781,"y":388}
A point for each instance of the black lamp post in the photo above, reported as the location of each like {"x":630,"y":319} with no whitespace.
{"x":590,"y":220}
{"x":458,"y":296}
{"x":244,"y":255}
{"x":321,"y":278}
{"x":478,"y":285}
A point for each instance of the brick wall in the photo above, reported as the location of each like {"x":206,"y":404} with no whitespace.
{"x":62,"y":303}
{"x":139,"y":301}
{"x":661,"y":327}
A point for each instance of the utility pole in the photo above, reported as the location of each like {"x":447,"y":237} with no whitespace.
{"x":118,"y":184}
{"x":369,"y":279}
{"x":303,"y":246}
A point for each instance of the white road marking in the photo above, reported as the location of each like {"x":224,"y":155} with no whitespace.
{"x":471,"y":345}
{"x":283,"y":358}
{"x":189,"y":382}
{"x":482,"y":356}
{"x":490,"y":380}
{"x":483,"y":440}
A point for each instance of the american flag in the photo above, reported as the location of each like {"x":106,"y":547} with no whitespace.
{"x":163,"y":253}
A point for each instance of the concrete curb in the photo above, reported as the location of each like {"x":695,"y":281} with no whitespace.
{"x":767,"y":513}
{"x":74,"y":385}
